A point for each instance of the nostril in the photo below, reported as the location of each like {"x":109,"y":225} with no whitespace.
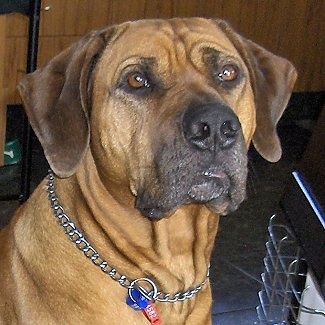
{"x":228,"y":133}
{"x":229,"y":129}
{"x":200,"y":131}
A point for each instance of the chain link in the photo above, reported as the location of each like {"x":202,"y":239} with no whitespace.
{"x":90,"y":252}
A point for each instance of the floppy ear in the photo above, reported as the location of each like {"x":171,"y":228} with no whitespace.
{"x":56,"y":99}
{"x":272,"y":80}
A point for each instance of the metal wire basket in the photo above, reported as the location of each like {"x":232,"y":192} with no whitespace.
{"x":283,"y":278}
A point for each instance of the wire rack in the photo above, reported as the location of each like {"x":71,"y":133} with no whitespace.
{"x":283,"y":278}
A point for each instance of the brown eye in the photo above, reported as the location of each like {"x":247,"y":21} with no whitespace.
{"x":228,"y":73}
{"x":137,"y":80}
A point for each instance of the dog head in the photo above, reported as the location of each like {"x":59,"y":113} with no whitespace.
{"x":167,"y":109}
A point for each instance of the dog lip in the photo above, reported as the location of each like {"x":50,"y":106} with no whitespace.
{"x":214,"y":173}
{"x":205,"y":192}
{"x":210,"y":185}
{"x":152,"y":211}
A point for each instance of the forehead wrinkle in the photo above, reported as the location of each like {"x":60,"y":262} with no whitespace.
{"x":137,"y":60}
{"x":204,"y":34}
{"x":155,"y":43}
{"x":161,"y":38}
{"x":190,"y":38}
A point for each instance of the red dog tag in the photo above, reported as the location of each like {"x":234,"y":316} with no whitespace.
{"x":138,"y":302}
{"x":151,"y":313}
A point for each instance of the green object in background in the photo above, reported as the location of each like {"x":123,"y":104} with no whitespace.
{"x":12,"y":154}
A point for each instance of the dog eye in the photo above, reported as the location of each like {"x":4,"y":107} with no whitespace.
{"x":228,"y":72}
{"x":138,"y":80}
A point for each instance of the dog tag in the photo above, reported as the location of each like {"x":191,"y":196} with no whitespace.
{"x":138,"y":302}
{"x":151,"y":313}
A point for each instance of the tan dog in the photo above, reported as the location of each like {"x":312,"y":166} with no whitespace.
{"x":146,"y":126}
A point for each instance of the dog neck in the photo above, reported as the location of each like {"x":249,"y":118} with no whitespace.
{"x":174,"y":252}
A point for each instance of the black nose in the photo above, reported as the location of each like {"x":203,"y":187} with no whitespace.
{"x":211,"y":126}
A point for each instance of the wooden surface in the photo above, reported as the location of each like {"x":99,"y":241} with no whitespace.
{"x":2,"y":89}
{"x":294,"y":29}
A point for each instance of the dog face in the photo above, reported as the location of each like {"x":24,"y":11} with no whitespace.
{"x":167,"y":109}
{"x":173,"y":104}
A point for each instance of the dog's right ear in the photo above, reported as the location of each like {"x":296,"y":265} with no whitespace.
{"x":56,"y":99}
{"x":272,"y":79}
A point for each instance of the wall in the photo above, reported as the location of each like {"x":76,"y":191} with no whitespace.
{"x":3,"y":88}
{"x":291,"y":28}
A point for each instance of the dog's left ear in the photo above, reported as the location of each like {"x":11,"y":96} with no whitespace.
{"x":272,"y":80}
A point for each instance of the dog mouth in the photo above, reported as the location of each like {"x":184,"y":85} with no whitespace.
{"x":215,"y":188}
{"x":222,"y":193}
{"x":211,"y":185}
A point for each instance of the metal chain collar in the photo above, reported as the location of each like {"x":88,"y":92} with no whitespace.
{"x":90,"y":252}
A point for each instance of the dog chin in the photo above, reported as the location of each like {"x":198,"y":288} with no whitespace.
{"x":220,"y":206}
{"x":215,"y":194}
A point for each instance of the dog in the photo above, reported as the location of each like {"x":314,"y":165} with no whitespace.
{"x":146,"y":127}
